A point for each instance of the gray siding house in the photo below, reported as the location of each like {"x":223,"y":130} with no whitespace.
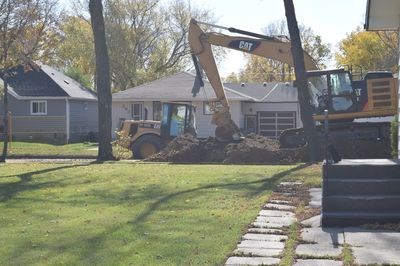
{"x":46,"y":105}
{"x":266,"y":108}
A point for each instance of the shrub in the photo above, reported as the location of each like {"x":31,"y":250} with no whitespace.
{"x":121,"y":146}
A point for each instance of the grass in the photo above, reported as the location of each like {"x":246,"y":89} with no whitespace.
{"x":347,"y":255}
{"x":127,"y":213}
{"x":290,"y":245}
{"x":31,"y":149}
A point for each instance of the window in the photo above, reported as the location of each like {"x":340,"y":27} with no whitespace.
{"x":178,"y":117}
{"x":318,"y":87}
{"x":271,"y":124}
{"x":38,"y":107}
{"x":341,"y":91}
{"x":156,"y":111}
{"x":137,"y":111}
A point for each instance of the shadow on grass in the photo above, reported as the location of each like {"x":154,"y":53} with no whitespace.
{"x":267,"y":184}
{"x":9,"y":190}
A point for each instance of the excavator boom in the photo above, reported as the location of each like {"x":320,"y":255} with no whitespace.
{"x":200,"y":45}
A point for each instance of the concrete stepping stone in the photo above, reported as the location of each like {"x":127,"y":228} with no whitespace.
{"x":290,"y":184}
{"x":257,"y":252}
{"x":376,"y":255}
{"x":313,"y":222}
{"x":261,"y":244}
{"x":267,"y":225}
{"x":264,"y":237}
{"x":374,"y":246}
{"x":318,"y":263}
{"x":326,"y":236}
{"x":316,"y":197}
{"x":383,"y":239}
{"x":276,"y":213}
{"x":265,"y":231}
{"x":284,"y":202}
{"x":278,"y":207}
{"x":252,"y":261}
{"x":286,"y":221}
{"x":318,"y":250}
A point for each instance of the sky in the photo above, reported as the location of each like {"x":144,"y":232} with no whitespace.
{"x":331,"y":19}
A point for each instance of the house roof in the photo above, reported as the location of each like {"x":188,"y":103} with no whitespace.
{"x":266,"y":92}
{"x":42,"y":81}
{"x":175,"y":88}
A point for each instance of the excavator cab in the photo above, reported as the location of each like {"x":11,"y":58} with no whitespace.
{"x":331,"y":90}
{"x":177,"y":119}
{"x":345,"y":99}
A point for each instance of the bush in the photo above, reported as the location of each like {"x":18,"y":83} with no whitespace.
{"x":394,"y":136}
{"x":121,"y":146}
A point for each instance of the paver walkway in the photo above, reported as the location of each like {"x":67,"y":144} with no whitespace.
{"x":264,"y":241}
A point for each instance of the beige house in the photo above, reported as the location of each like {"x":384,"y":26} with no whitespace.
{"x":266,"y":108}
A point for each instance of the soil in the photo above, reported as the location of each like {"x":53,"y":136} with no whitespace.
{"x":259,"y":149}
{"x":253,"y":149}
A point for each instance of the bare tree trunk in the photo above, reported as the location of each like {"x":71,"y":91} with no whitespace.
{"x":301,"y":79}
{"x":5,"y":121}
{"x":102,"y":80}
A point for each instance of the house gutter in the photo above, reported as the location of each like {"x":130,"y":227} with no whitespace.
{"x":366,"y":24}
{"x":67,"y":121}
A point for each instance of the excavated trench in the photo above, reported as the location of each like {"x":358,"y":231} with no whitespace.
{"x":253,"y":149}
{"x":257,"y":149}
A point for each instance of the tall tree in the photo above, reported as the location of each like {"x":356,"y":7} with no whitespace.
{"x":369,"y":50}
{"x":27,"y":32}
{"x":301,"y":79}
{"x":103,"y":80}
{"x":75,"y":54}
{"x":147,"y":39}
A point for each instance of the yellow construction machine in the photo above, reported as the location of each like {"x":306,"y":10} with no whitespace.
{"x":149,"y":137}
{"x":333,"y":90}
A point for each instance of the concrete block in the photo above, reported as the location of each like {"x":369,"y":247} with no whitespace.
{"x":318,"y":263}
{"x":318,"y":250}
{"x":326,"y":236}
{"x":261,"y":244}
{"x":264,"y":237}
{"x":252,"y":261}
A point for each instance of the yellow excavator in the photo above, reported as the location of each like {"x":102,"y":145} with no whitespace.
{"x":332,"y":90}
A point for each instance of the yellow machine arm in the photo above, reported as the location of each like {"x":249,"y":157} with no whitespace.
{"x":268,"y":47}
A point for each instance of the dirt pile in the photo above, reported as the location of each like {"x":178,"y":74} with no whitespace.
{"x":253,"y":149}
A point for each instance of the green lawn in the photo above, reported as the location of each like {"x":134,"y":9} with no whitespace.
{"x":31,"y":149}
{"x":131,"y":213}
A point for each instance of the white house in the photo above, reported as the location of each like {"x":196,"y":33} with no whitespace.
{"x":266,"y":109}
{"x":384,"y":15}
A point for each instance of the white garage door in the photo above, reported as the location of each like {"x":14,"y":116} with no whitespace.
{"x":271,"y":124}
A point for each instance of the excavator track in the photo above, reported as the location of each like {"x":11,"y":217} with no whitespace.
{"x":339,"y":132}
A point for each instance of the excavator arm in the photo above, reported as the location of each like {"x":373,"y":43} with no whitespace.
{"x":264,"y":46}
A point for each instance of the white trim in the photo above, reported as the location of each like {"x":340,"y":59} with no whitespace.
{"x":67,"y":119}
{"x":38,"y":101}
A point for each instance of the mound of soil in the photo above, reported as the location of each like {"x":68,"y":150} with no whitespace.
{"x":253,"y":149}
